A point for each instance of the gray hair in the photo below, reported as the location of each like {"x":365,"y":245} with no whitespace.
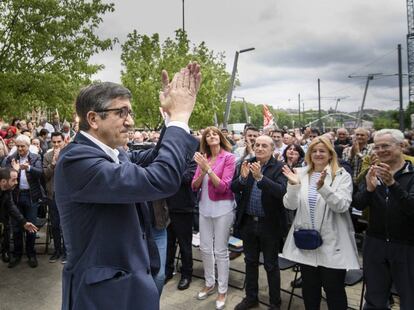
{"x":23,"y":139}
{"x":396,"y":134}
{"x":97,"y":96}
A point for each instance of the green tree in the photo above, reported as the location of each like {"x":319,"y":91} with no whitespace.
{"x":144,"y":57}
{"x":45,"y":46}
{"x":386,"y":119}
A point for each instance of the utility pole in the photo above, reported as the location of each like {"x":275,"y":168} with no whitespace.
{"x":319,"y":106}
{"x":299,"y":122}
{"x":183,"y":18}
{"x":361,"y":111}
{"x":369,"y":77}
{"x":400,"y":88}
{"x":230,"y":92}
{"x":246,"y":113}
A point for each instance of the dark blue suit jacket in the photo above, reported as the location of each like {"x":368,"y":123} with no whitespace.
{"x":108,"y":262}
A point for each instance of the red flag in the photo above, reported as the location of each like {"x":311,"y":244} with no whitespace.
{"x":268,"y":119}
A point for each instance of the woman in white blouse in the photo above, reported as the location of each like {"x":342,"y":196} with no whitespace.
{"x":321,"y":193}
{"x":215,"y":170}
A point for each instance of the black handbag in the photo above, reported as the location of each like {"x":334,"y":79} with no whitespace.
{"x":308,"y":239}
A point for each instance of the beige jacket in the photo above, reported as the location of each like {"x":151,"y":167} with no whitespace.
{"x":339,"y":249}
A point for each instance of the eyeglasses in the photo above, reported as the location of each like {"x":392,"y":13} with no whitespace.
{"x":122,"y":112}
{"x":384,"y":147}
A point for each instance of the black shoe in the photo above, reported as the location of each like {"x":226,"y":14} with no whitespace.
{"x":184,"y":284}
{"x":32,"y":262}
{"x":246,"y":304}
{"x":296,"y":283}
{"x":274,"y":307}
{"x":5,"y":257}
{"x":64,"y":259}
{"x":54,"y":257}
{"x":14,"y":261}
{"x":168,"y":277}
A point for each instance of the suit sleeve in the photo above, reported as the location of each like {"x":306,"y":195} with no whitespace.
{"x":13,"y":211}
{"x":48,"y":168}
{"x":36,"y":169}
{"x":106,"y":182}
{"x":275,"y":185}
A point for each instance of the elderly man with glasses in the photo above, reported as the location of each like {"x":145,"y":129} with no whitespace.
{"x":101,"y":192}
{"x":388,"y":192}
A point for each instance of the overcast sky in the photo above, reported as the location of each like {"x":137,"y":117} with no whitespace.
{"x":296,"y":41}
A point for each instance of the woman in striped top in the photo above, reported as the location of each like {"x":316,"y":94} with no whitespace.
{"x":321,"y":193}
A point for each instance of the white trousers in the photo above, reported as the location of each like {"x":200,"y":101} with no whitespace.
{"x":214,"y":238}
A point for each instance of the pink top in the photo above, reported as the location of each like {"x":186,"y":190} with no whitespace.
{"x":224,"y":168}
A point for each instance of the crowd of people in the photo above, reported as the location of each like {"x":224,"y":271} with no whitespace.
{"x":298,"y":193}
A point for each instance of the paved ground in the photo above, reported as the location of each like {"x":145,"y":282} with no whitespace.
{"x":24,"y":288}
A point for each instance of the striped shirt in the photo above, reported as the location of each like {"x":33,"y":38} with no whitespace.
{"x":313,"y":195}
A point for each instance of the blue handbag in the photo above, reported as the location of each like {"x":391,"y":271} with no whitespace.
{"x":308,"y":239}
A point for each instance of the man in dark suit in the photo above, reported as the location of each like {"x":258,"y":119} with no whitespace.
{"x":101,"y":193}
{"x":8,"y":181}
{"x":261,"y":219}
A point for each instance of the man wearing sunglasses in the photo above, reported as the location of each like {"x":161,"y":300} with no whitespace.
{"x":101,"y":193}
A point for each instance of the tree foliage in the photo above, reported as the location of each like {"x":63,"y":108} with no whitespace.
{"x":45,"y":46}
{"x":144,"y":57}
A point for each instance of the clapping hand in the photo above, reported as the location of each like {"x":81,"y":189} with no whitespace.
{"x":256,"y":170}
{"x":383,"y":171}
{"x":201,"y":161}
{"x":245,"y":169}
{"x":15,"y":165}
{"x":292,"y":176}
{"x":178,"y":97}
{"x":371,"y":179}
{"x":321,"y":180}
{"x":24,"y":166}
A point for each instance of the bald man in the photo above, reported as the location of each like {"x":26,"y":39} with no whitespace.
{"x":261,"y":219}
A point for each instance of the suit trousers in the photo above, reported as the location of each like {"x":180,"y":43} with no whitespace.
{"x":58,"y":241}
{"x":29,"y":211}
{"x":386,"y":263}
{"x":181,"y":230}
{"x":256,"y":240}
{"x":332,"y":281}
{"x":214,"y":239}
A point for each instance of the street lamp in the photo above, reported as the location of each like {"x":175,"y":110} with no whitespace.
{"x":233,"y":76}
{"x":246,"y":114}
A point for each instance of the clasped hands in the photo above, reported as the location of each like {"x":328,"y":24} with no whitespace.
{"x":379,"y":172}
{"x":178,"y":97}
{"x":17,"y":166}
{"x":254,"y":168}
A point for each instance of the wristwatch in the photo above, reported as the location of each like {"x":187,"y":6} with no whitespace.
{"x":209,"y":171}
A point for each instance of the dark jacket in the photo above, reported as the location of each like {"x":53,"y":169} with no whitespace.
{"x":8,"y":208}
{"x":108,"y":263}
{"x":34,"y":176}
{"x":273,"y":186}
{"x":391,"y":209}
{"x":184,"y":200}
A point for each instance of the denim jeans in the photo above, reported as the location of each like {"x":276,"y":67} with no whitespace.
{"x":29,"y":211}
{"x":160,"y":238}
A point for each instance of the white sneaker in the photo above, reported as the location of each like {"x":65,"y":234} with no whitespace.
{"x":220,"y":304}
{"x":203,"y":294}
